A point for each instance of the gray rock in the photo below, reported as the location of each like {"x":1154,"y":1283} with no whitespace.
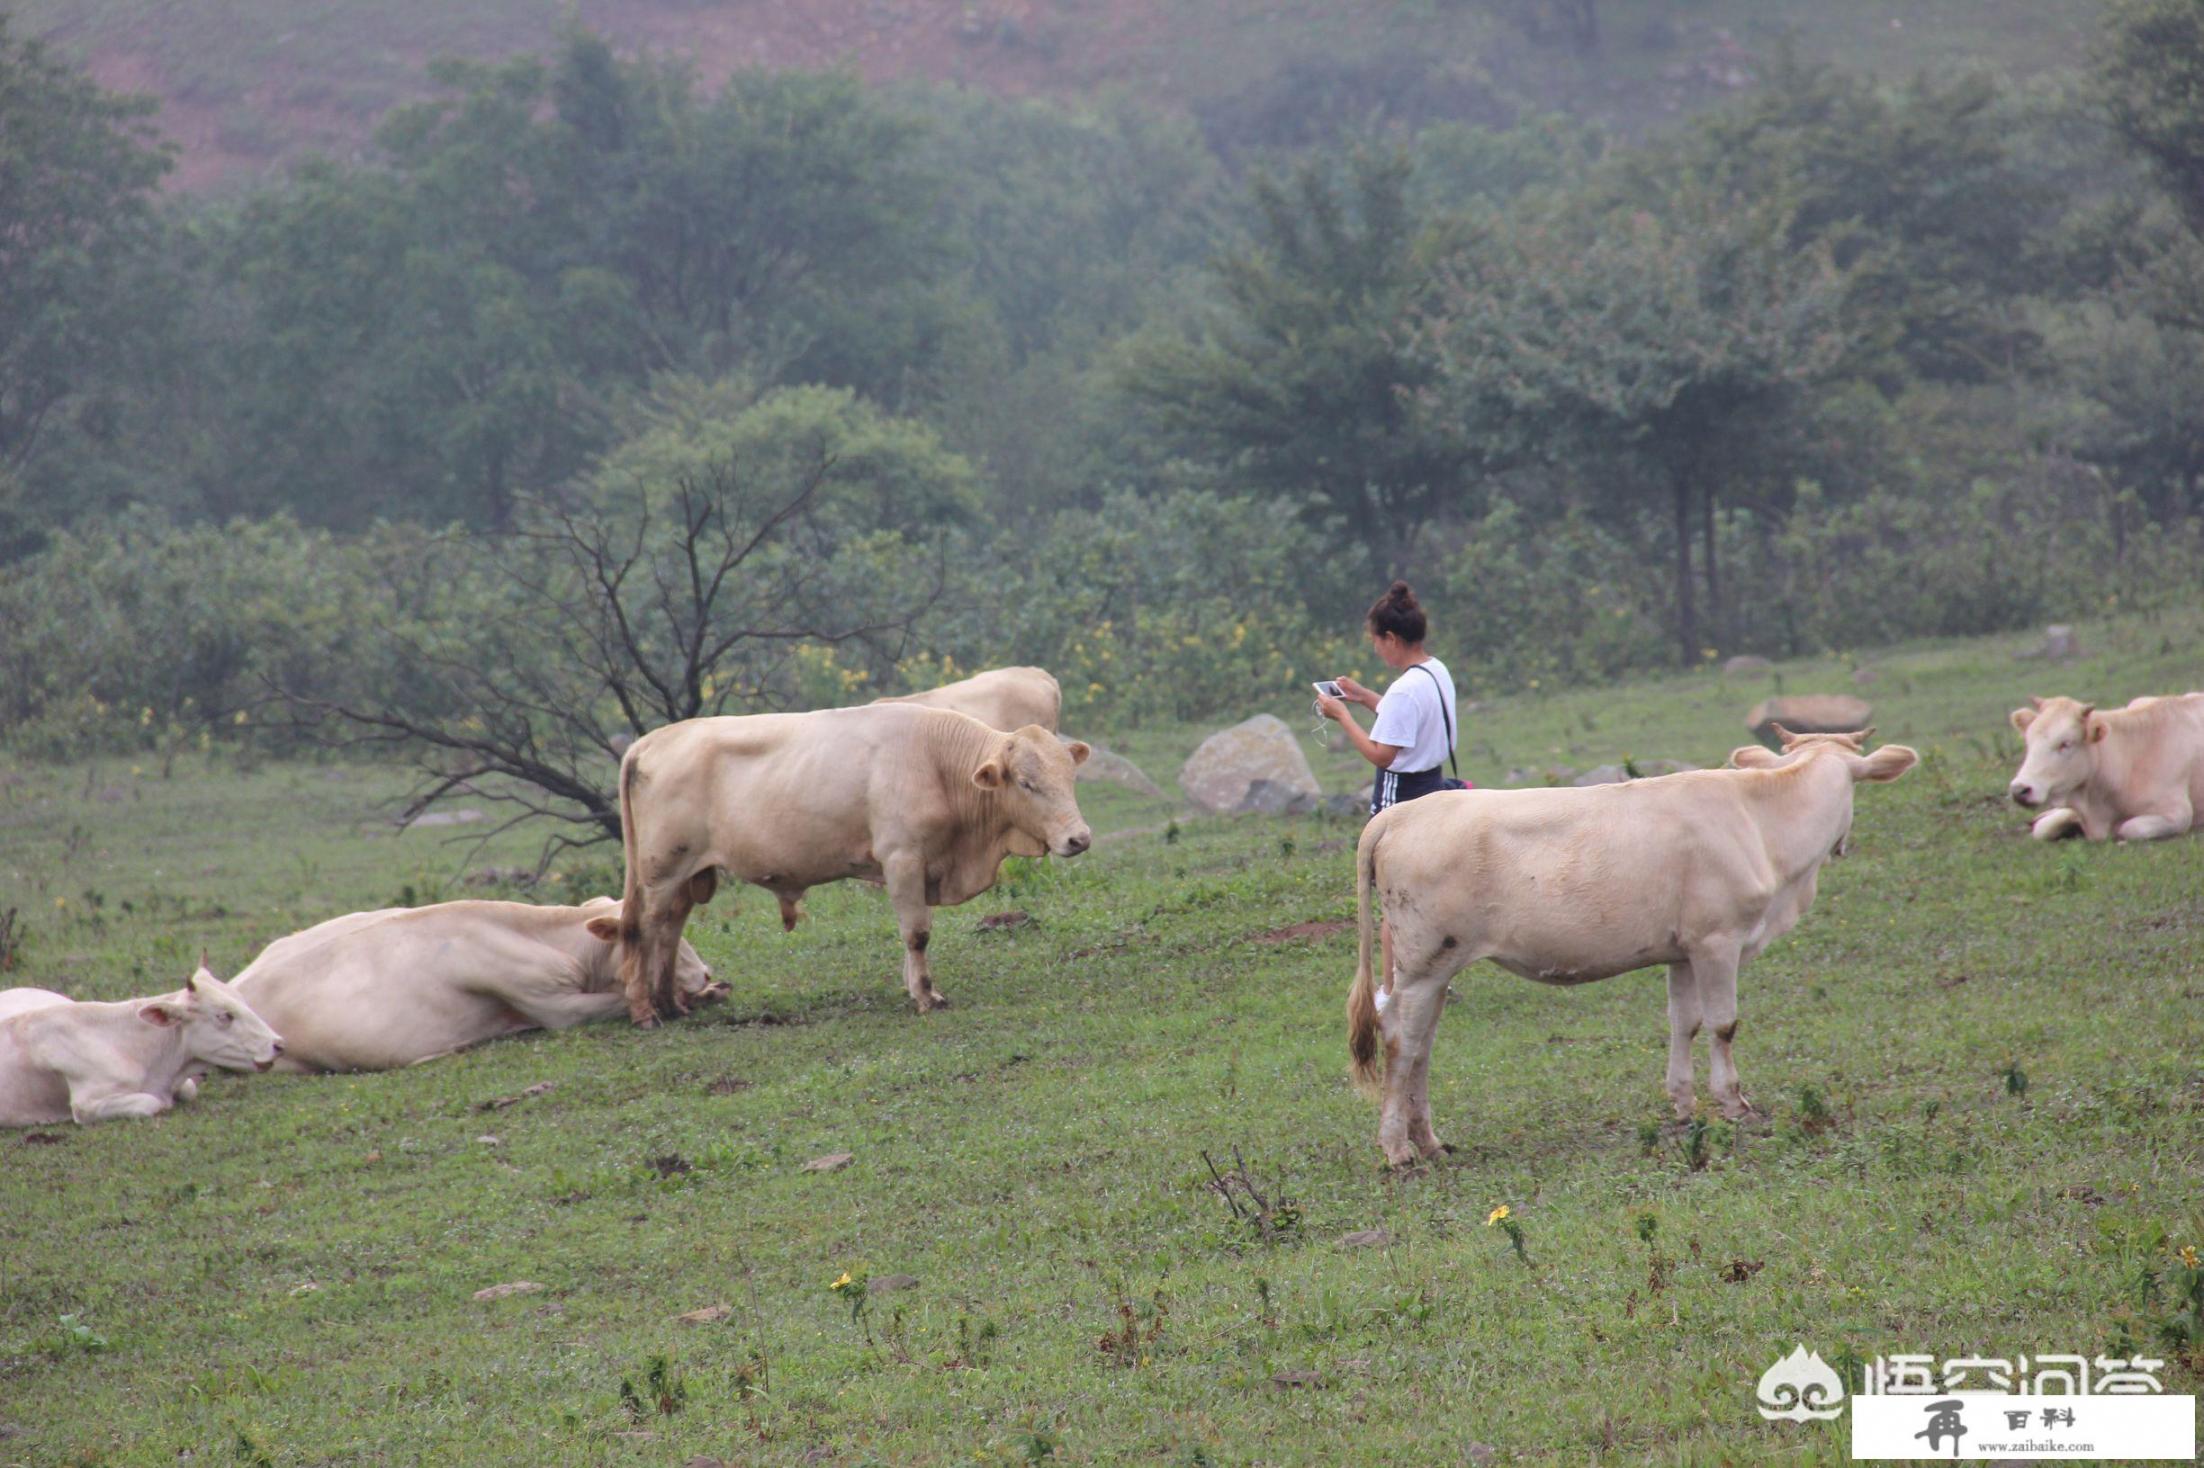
{"x":1745,"y":663}
{"x":1651,"y":767}
{"x":1602,"y":775}
{"x":464,"y":816}
{"x":1112,"y":767}
{"x":1222,"y":773}
{"x":1809,"y":713}
{"x":1346,"y":805}
{"x":1270,"y":798}
{"x":1862,"y":677}
{"x":2058,"y":644}
{"x":1543,"y":775}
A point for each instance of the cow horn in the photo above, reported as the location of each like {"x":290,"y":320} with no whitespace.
{"x":1782,"y":735}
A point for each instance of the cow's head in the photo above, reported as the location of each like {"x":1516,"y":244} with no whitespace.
{"x":691,"y":975}
{"x":2062,"y":736}
{"x":1030,"y":771}
{"x":1887,"y":763}
{"x":218,"y":1027}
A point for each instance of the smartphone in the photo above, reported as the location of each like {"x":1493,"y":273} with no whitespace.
{"x":1328,"y":688}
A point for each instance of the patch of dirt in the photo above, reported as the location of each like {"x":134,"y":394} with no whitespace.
{"x":1301,"y":932}
{"x":728,"y":1086}
{"x":1737,"y":1271}
{"x":43,"y":1139}
{"x":1000,"y":922}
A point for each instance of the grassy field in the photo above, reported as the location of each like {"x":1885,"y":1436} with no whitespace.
{"x":1980,"y":1058}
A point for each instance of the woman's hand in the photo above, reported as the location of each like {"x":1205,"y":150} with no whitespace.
{"x":1356,"y":692}
{"x":1331,"y":708}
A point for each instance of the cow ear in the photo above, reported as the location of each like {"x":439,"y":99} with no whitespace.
{"x":2096,"y":725}
{"x":2035,"y":701}
{"x":1078,"y":751}
{"x":1783,"y":736}
{"x":1754,"y":757}
{"x":989,"y":776}
{"x":159,"y":1014}
{"x":2022,"y":718}
{"x":1887,"y":763}
{"x":605,"y":926}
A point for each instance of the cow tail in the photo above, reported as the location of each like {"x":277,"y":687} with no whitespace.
{"x":1362,"y":1016}
{"x":631,"y":885}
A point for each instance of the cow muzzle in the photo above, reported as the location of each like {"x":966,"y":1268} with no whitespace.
{"x":1075,"y":843}
{"x":2024,"y":795}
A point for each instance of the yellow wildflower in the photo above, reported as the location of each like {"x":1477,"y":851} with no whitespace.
{"x":240,"y":717}
{"x":1497,"y":1215}
{"x":2188,"y":1255}
{"x":842,"y":1283}
{"x":61,"y":902}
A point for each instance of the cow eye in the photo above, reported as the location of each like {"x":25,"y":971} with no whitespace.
{"x":224,"y":1017}
{"x":1028,"y":784}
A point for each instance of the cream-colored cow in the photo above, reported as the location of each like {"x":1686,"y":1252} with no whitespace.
{"x":378,"y":990}
{"x":1699,"y":871}
{"x":927,"y":802}
{"x":1001,"y":698}
{"x":2135,"y":773}
{"x":62,"y":1060}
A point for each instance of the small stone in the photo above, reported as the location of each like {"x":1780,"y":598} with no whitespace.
{"x":832,"y":1162}
{"x":888,"y":1284}
{"x":489,"y":1139}
{"x":709,"y":1315}
{"x":1603,"y":775}
{"x":1745,"y":663}
{"x":1365,"y":1238}
{"x":1292,"y":1380}
{"x":516,"y":1287}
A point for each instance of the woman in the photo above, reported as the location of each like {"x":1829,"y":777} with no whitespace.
{"x":1413,"y":734}
{"x":1414,"y":730}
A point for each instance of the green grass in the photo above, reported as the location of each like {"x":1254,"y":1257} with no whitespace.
{"x":1033,"y":1155}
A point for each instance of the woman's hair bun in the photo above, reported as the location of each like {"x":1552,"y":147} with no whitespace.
{"x":1397,"y":612}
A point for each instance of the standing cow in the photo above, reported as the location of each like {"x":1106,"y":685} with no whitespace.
{"x":1699,"y":871}
{"x":2136,"y":773}
{"x":400,"y":985}
{"x":1001,"y":698}
{"x":927,"y":802}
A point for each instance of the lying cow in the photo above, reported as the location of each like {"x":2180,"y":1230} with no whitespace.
{"x":1700,"y":871}
{"x":2136,"y":773}
{"x":1001,"y":698}
{"x":62,"y":1060}
{"x":378,"y":990}
{"x":927,"y":802}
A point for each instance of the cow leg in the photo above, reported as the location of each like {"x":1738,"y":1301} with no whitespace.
{"x":1404,"y":1119}
{"x":2055,"y":823}
{"x":649,"y":951}
{"x":109,"y":1108}
{"x":1683,"y":1024}
{"x":2150,"y":828}
{"x":905,"y":877}
{"x":1715,"y":973}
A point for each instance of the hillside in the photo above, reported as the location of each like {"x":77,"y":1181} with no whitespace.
{"x":248,"y":84}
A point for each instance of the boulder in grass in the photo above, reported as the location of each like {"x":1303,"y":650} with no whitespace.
{"x":1808,"y":713}
{"x":1746,"y":664}
{"x":1222,"y":774}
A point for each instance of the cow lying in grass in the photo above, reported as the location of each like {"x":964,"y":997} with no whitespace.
{"x":2135,"y":773}
{"x":1699,"y":871}
{"x":62,"y":1060}
{"x":927,"y":802}
{"x":1001,"y":698}
{"x":378,"y":990}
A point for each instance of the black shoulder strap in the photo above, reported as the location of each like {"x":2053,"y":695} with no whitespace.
{"x":1444,"y":717}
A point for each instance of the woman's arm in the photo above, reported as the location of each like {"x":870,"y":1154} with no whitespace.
{"x":1356,"y":693}
{"x":1377,"y":754}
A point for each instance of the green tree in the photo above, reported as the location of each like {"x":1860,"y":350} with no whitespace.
{"x":1295,"y":377}
{"x":78,"y":169}
{"x":1654,"y":342}
{"x":2150,"y":73}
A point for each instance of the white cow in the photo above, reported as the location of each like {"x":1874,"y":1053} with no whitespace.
{"x":379,"y":990}
{"x":2135,"y":773}
{"x":1001,"y":698}
{"x":61,"y":1059}
{"x":1699,"y":871}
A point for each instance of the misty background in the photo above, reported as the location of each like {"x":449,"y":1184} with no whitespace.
{"x":523,"y":380}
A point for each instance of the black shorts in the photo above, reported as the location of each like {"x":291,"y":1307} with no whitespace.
{"x":1396,"y":786}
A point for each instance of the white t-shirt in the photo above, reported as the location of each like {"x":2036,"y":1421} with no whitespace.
{"x":1408,"y":716}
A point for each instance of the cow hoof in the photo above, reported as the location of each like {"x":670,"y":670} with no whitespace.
{"x":645,"y":1021}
